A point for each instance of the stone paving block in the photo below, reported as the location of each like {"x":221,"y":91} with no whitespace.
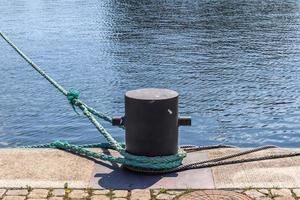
{"x":165,"y":196}
{"x":100,"y":197}
{"x":58,"y":192}
{"x":254,"y":194}
{"x":282,"y":192}
{"x":38,"y":193}
{"x":14,"y":198}
{"x":56,"y":198}
{"x":156,"y":192}
{"x":296,"y":192}
{"x":138,"y":194}
{"x":78,"y":194}
{"x":37,"y":199}
{"x":2,"y":191}
{"x":213,"y":195}
{"x":120,"y":193}
{"x":264,"y":191}
{"x":103,"y":192}
{"x":284,"y":198}
{"x":119,"y":198}
{"x":21,"y":192}
{"x":175,"y":192}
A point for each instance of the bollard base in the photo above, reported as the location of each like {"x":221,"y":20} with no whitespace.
{"x":144,"y":170}
{"x":118,"y":177}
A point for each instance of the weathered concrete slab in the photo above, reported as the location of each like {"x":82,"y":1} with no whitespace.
{"x":43,"y":168}
{"x":118,"y":178}
{"x":281,"y":173}
{"x":50,"y":168}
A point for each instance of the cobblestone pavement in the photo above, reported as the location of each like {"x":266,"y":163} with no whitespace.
{"x":137,"y":194}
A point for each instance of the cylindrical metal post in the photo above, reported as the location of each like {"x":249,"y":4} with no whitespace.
{"x":151,"y":122}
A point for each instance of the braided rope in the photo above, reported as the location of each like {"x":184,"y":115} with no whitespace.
{"x":159,"y":162}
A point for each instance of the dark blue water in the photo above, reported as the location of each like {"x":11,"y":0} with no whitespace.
{"x":236,"y":64}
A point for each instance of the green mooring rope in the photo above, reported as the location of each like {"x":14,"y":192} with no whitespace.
{"x":159,"y":162}
{"x":153,"y":165}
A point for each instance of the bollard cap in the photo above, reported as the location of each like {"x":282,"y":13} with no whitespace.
{"x":151,"y":94}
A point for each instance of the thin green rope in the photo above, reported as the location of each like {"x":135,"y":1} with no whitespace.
{"x":158,"y":162}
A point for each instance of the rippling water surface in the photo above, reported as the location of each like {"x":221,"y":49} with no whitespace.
{"x":235,"y":63}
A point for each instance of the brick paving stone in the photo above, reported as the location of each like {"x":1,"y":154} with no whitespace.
{"x":120,"y":198}
{"x":284,"y":198}
{"x":165,"y":196}
{"x":58,"y":192}
{"x":21,"y":192}
{"x":56,"y":198}
{"x":213,"y":195}
{"x":140,"y":194}
{"x":120,"y":193}
{"x":264,"y":191}
{"x":14,"y":198}
{"x":282,"y":192}
{"x":296,"y":192}
{"x":38,"y":193}
{"x":175,"y":192}
{"x":78,"y":194}
{"x":155,"y":192}
{"x":37,"y":199}
{"x":254,"y":194}
{"x":100,"y":197}
{"x":2,"y":191}
{"x":100,"y":191}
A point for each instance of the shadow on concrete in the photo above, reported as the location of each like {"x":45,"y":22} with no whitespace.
{"x":113,"y":176}
{"x":118,"y":177}
{"x":121,"y":178}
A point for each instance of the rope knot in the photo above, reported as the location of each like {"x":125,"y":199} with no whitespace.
{"x":72,"y":96}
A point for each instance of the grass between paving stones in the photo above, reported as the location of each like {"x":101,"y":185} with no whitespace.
{"x":50,"y":193}
{"x":186,"y":191}
{"x":269,"y":194}
{"x":29,"y":188}
{"x":89,"y":191}
{"x":266,"y":192}
{"x":154,"y":195}
{"x":67,"y":190}
{"x":110,"y":194}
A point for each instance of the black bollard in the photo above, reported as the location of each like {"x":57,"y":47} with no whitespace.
{"x":151,"y":122}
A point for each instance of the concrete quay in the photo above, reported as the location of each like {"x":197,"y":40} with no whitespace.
{"x":56,"y":174}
